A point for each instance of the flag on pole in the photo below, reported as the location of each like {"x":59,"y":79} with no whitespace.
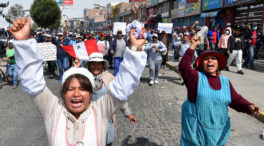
{"x":82,"y":50}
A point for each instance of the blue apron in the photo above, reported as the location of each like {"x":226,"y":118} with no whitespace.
{"x":206,"y":122}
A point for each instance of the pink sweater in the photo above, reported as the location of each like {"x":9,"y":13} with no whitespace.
{"x":224,"y":39}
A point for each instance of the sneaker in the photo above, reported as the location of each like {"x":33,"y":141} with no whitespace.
{"x":227,"y":68}
{"x":252,"y":68}
{"x":14,"y":86}
{"x":240,"y":72}
{"x":156,"y":81}
{"x":151,"y":82}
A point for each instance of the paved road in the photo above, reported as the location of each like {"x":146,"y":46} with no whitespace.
{"x":157,"y":109}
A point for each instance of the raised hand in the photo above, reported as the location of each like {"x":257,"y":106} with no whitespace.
{"x":77,"y":62}
{"x":21,"y":28}
{"x":135,"y":42}
{"x":194,"y":42}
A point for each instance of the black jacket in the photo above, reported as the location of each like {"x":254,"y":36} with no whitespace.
{"x":232,"y":45}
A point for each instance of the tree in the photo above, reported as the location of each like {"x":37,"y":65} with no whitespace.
{"x":46,"y":13}
{"x":15,"y":12}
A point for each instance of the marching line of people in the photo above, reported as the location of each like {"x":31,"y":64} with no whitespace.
{"x":90,"y":96}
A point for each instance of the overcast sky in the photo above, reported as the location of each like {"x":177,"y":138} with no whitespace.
{"x":75,"y":11}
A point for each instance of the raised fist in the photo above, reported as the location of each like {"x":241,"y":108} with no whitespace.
{"x":21,"y":28}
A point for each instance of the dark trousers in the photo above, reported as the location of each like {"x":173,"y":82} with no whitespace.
{"x":224,"y":52}
{"x":51,"y":67}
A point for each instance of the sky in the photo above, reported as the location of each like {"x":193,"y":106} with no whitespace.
{"x":74,"y":11}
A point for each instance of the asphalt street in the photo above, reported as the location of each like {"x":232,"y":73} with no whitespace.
{"x":157,"y":109}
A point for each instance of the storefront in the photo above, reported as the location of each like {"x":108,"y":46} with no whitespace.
{"x":187,"y":13}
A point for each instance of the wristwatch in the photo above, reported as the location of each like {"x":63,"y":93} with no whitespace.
{"x":136,"y":48}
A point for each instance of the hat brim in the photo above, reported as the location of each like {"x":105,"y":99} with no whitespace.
{"x":106,"y":64}
{"x":222,"y":60}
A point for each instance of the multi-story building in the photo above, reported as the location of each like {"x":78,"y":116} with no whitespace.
{"x":90,"y":17}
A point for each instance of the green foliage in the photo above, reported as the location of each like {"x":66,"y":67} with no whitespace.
{"x":14,"y":12}
{"x":46,"y":13}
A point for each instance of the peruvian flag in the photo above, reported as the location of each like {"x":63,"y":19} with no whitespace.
{"x":82,"y":50}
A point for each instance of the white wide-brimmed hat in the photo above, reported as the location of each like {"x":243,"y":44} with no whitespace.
{"x":97,"y":57}
{"x":75,"y":70}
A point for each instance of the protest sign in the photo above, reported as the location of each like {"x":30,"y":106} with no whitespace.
{"x":119,"y":26}
{"x":48,"y":51}
{"x":167,"y":27}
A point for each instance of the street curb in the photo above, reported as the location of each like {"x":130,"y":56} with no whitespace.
{"x":170,"y":65}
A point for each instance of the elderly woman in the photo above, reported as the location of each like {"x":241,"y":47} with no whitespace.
{"x":74,"y":118}
{"x":205,"y":119}
{"x":97,"y":65}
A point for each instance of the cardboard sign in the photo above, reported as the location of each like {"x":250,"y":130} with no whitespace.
{"x":48,"y":51}
{"x":119,"y":26}
{"x":167,"y":27}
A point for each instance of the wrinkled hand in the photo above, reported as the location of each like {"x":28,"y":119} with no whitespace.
{"x":196,"y":22}
{"x":132,"y":119}
{"x":255,"y":110}
{"x":154,"y":46}
{"x":158,"y":50}
{"x":228,"y":52}
{"x":21,"y":28}
{"x":136,"y":42}
{"x":112,"y":53}
{"x":249,"y":41}
{"x":77,"y":62}
{"x":195,"y":41}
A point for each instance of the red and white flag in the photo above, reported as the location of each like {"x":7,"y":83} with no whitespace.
{"x":82,"y":50}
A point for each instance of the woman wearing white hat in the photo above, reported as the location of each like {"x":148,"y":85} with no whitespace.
{"x":97,"y":65}
{"x":74,"y":119}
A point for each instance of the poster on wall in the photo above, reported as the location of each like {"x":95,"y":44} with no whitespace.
{"x":210,"y":5}
{"x":167,"y":27}
{"x":119,"y":26}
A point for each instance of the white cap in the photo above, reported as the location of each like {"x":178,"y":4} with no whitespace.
{"x":60,"y":33}
{"x":155,"y":35}
{"x":203,"y":31}
{"x":98,"y":57}
{"x":74,"y":70}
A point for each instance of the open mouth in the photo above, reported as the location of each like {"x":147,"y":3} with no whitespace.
{"x":210,"y":66}
{"x":76,"y":103}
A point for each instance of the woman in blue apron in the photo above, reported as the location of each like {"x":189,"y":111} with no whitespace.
{"x":205,"y":119}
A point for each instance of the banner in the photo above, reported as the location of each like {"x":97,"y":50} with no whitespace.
{"x":67,"y":2}
{"x":167,"y":27}
{"x":212,"y":4}
{"x":119,"y":26}
{"x":48,"y":51}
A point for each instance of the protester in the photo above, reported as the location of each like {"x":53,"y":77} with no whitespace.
{"x":51,"y":66}
{"x":254,"y":37}
{"x":118,"y":46}
{"x":103,"y":45}
{"x":236,"y":44}
{"x":155,"y":50}
{"x":214,"y":37}
{"x":223,"y":42}
{"x":164,"y":54}
{"x":12,"y":67}
{"x":75,"y":107}
{"x":205,"y":119}
{"x":62,"y":56}
{"x":97,"y":65}
{"x":176,"y":41}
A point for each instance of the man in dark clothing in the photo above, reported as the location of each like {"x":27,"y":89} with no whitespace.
{"x":255,"y":39}
{"x":62,"y":56}
{"x":236,"y":44}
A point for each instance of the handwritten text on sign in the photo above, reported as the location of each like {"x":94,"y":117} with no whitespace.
{"x":48,"y":51}
{"x":119,"y":26}
{"x":167,"y":27}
